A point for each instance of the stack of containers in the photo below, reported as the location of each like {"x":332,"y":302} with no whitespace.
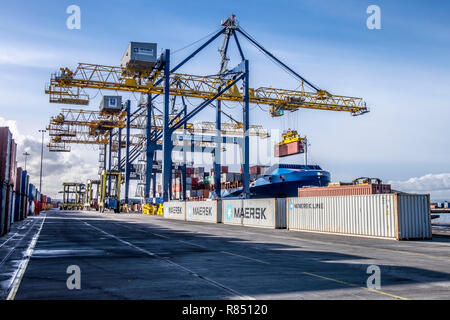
{"x":37,"y":203}
{"x":12,"y":183}
{"x":48,"y":204}
{"x":18,"y":201}
{"x":24,"y":195}
{"x":350,"y":190}
{"x":257,"y":169}
{"x":5,"y":155}
{"x":43,"y":202}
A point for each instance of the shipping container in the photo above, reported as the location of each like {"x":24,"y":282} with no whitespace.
{"x":32,"y":192}
{"x":30,"y":207}
{"x":140,"y":56}
{"x":18,"y":206}
{"x":396,"y":216}
{"x":10,"y":209}
{"x":175,"y":210}
{"x":189,"y":170}
{"x":5,"y":153}
{"x":227,"y":177}
{"x":204,"y":211}
{"x":37,"y":207}
{"x":257,"y":169}
{"x":110,"y":104}
{"x":13,"y":164}
{"x":18,"y":184}
{"x":199,"y":170}
{"x":351,"y":190}
{"x":266,"y":213}
{"x":288,"y":149}
{"x":3,"y":207}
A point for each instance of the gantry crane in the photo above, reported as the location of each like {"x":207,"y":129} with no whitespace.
{"x":68,"y":86}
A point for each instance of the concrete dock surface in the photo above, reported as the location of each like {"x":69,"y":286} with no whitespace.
{"x":135,"y":256}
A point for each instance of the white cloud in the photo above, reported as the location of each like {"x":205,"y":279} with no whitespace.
{"x":438,"y":185}
{"x":30,"y":58}
{"x":57,"y":167}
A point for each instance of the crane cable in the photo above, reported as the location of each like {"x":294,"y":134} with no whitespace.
{"x":270,"y":58}
{"x":189,"y":45}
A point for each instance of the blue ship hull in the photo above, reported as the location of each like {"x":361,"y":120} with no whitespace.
{"x":281,"y":181}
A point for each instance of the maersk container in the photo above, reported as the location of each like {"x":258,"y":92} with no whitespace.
{"x":140,"y":56}
{"x":175,"y":210}
{"x":204,"y":211}
{"x":396,"y":215}
{"x":266,"y":213}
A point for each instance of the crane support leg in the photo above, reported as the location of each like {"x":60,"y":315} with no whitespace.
{"x":110,"y":159}
{"x":183,"y":168}
{"x":119,"y":150}
{"x":149,"y":148}
{"x":167,"y":133}
{"x":217,"y":153}
{"x":246,"y":166}
{"x":127,"y":153}
{"x":154,"y":178}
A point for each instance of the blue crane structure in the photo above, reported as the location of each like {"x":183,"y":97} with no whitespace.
{"x":164,"y":81}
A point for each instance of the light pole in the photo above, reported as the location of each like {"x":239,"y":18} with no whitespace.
{"x":26,"y":154}
{"x":42,"y":155}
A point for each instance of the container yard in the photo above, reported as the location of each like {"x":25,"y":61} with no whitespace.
{"x":18,"y":197}
{"x":155,"y":179}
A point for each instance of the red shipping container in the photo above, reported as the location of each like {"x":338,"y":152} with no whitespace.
{"x":352,"y":190}
{"x":289,"y":149}
{"x":37,"y":207}
{"x":257,"y":169}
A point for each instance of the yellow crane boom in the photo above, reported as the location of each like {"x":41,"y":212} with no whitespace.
{"x":64,"y":87}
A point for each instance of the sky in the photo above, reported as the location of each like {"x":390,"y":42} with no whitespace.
{"x":402,"y":71}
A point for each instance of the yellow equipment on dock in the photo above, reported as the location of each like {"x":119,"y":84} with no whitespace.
{"x":107,"y":200}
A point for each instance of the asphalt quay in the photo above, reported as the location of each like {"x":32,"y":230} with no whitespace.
{"x":135,"y":256}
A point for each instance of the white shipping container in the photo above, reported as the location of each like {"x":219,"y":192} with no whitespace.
{"x":204,"y":211}
{"x":395,"y":216}
{"x":111,"y":103}
{"x":140,"y":56}
{"x":267,"y":213}
{"x":175,"y":210}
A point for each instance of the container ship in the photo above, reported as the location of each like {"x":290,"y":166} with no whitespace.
{"x":283,"y":180}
